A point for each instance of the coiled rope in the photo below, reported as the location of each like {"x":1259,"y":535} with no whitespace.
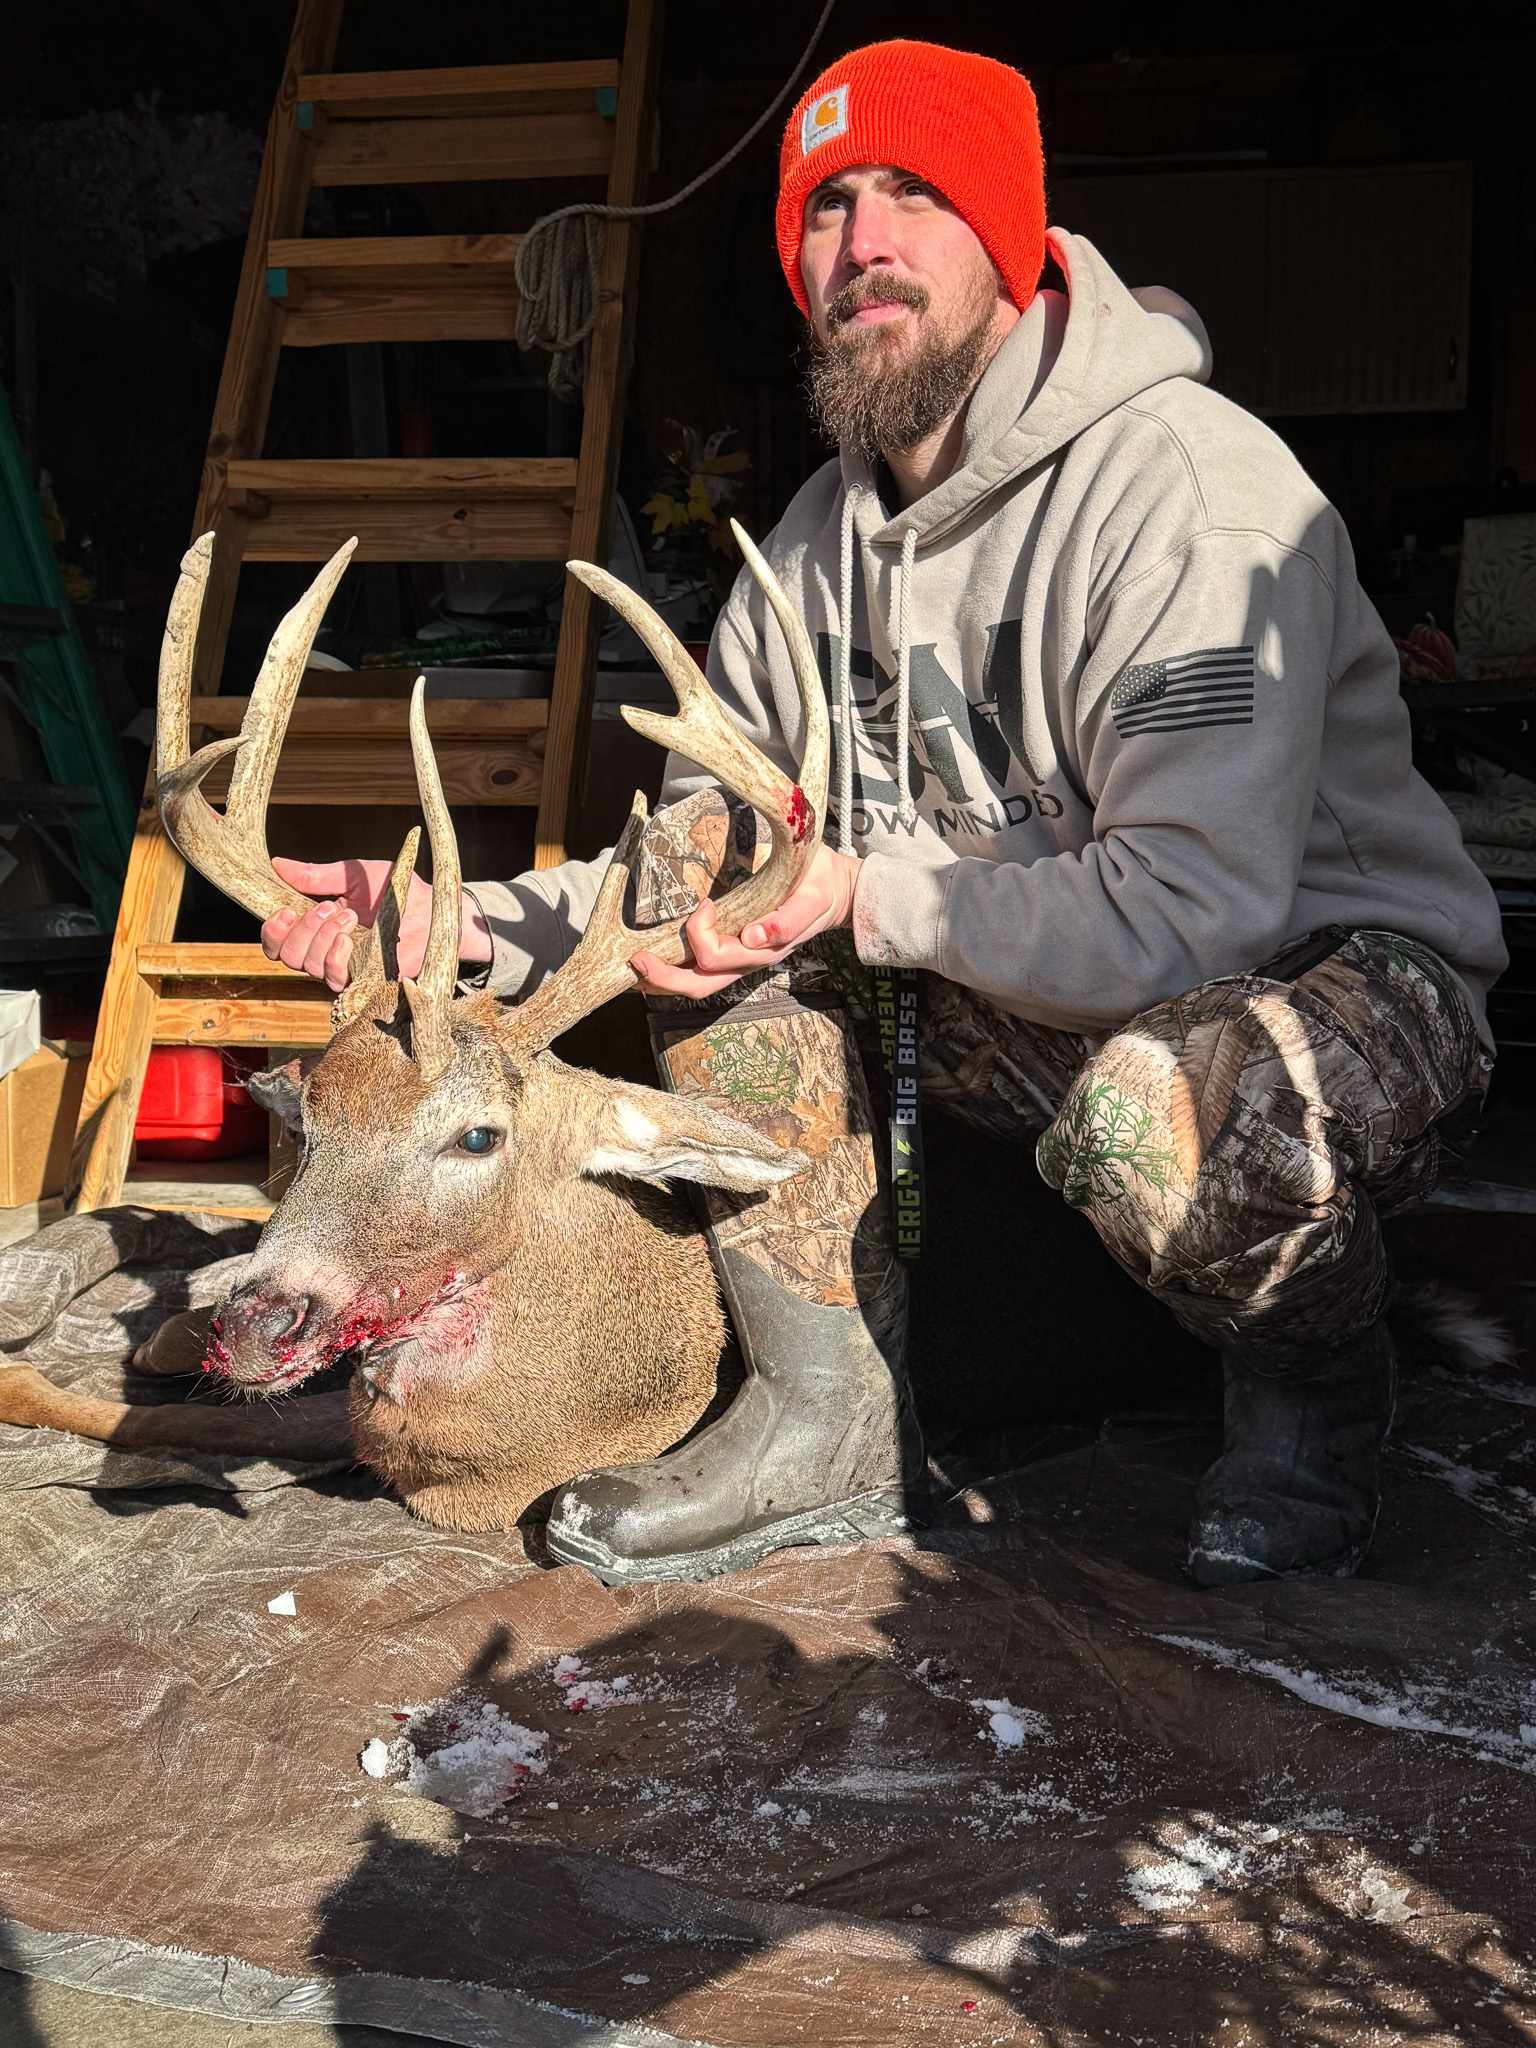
{"x":558,"y":259}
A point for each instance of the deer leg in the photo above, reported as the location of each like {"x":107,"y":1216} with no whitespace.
{"x":312,"y":1428}
{"x":178,"y":1347}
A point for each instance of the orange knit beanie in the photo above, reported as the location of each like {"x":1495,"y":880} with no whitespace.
{"x":965,"y":125}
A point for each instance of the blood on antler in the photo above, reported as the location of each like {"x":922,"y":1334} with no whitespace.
{"x":701,"y":732}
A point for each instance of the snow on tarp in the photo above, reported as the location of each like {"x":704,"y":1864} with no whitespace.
{"x":1013,"y":1781}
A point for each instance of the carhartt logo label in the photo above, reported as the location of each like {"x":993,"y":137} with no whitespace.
{"x":823,"y":119}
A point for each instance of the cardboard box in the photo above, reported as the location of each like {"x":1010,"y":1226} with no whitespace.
{"x":39,"y":1106}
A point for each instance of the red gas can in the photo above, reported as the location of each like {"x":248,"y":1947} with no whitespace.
{"x":195,"y":1105}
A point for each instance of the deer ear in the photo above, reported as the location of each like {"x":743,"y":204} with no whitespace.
{"x":281,"y":1090}
{"x":645,"y":1135}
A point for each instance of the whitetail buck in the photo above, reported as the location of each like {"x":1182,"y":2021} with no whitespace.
{"x":482,"y":1230}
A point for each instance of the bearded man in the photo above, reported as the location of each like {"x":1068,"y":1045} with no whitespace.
{"x":1123,"y":795}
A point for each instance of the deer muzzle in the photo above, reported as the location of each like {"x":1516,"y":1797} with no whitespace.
{"x":264,"y":1338}
{"x":269,"y":1338}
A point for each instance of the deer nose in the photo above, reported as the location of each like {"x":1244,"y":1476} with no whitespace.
{"x":255,"y":1333}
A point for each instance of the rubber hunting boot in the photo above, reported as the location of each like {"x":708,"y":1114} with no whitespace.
{"x":821,"y":1444}
{"x":1297,"y":1485}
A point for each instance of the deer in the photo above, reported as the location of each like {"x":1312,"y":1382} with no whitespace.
{"x":491,"y":1238}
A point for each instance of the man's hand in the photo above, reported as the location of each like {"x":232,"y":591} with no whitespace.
{"x":319,"y":942}
{"x":823,"y":901}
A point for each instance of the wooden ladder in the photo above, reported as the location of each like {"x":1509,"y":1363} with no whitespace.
{"x":593,"y":118}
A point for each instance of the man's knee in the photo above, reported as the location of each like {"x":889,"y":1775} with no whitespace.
{"x":1110,"y":1145}
{"x":1198,"y":1173}
{"x":701,"y":846}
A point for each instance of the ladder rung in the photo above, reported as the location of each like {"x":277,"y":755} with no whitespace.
{"x":406,"y":508}
{"x":233,"y":995}
{"x":388,"y":717}
{"x":208,"y":1198}
{"x":391,"y":255}
{"x":395,"y":288}
{"x":464,"y":89}
{"x":368,"y":769}
{"x":219,"y":1019}
{"x":356,"y":750}
{"x":463,"y":148}
{"x":216,"y":962}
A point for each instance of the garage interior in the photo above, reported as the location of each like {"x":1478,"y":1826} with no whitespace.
{"x":1337,"y":1774}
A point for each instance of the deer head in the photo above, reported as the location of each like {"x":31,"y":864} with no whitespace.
{"x":472,"y":1220}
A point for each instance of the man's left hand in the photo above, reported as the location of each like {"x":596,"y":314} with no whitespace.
{"x":823,"y":901}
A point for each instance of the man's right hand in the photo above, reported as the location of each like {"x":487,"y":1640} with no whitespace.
{"x":319,"y":942}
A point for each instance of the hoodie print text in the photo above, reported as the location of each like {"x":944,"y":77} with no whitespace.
{"x":970,"y":750}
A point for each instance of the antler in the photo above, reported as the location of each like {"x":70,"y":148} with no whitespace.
{"x":599,"y":968}
{"x":374,"y":953}
{"x":430,"y":995}
{"x":231,"y":850}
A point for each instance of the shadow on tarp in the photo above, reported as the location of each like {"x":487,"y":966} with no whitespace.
{"x":807,"y":1816}
{"x":17,"y":2027}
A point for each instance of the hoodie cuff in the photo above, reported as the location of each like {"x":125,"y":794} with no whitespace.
{"x":529,"y":939}
{"x":476,"y":976}
{"x":898,"y":912}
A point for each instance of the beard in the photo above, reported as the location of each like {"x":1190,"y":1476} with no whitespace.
{"x":867,"y":392}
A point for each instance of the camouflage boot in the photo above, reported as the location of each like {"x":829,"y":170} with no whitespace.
{"x":821,"y":1444}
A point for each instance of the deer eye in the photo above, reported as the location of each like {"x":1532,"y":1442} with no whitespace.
{"x":480,"y":1139}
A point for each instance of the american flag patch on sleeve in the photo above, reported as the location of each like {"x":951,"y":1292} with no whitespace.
{"x":1212,"y":687}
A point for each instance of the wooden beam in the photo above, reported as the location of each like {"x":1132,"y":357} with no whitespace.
{"x":521,"y":530}
{"x":244,"y":398}
{"x":369,"y":770}
{"x":395,"y":288}
{"x":417,"y":478}
{"x":449,"y":717}
{"x":391,"y":255}
{"x":462,"y":89}
{"x":125,"y":1021}
{"x":407,"y":509}
{"x":217,"y":1018}
{"x":570,"y":711}
{"x":152,"y":888}
{"x":204,"y":961}
{"x":209,"y":1198}
{"x":462,"y":148}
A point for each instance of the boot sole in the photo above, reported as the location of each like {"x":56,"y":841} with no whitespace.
{"x":1212,"y":1570}
{"x":862,"y":1519}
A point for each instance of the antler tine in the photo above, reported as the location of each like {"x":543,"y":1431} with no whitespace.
{"x":375,"y":961}
{"x":232,"y":850}
{"x":702,"y":732}
{"x":173,"y":718}
{"x":816,"y":740}
{"x":392,"y":905}
{"x":431,"y":993}
{"x":599,"y":968}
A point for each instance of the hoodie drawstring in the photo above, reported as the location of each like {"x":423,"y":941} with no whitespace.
{"x":906,"y":808}
{"x":845,"y":673}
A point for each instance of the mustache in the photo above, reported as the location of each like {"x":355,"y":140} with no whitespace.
{"x":875,"y":288}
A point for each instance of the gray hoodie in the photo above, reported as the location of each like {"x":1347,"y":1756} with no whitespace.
{"x":1123,"y":719}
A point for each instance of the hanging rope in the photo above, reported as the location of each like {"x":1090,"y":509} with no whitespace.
{"x":559,"y":257}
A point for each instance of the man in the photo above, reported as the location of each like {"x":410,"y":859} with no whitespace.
{"x":1123,"y":769}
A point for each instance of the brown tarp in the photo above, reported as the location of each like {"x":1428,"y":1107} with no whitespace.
{"x":1012,"y":1781}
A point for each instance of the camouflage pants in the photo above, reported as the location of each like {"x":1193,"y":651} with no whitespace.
{"x":782,"y":1050}
{"x":1232,"y":1147}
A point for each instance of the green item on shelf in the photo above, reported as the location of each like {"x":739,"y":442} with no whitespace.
{"x":39,"y":642}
